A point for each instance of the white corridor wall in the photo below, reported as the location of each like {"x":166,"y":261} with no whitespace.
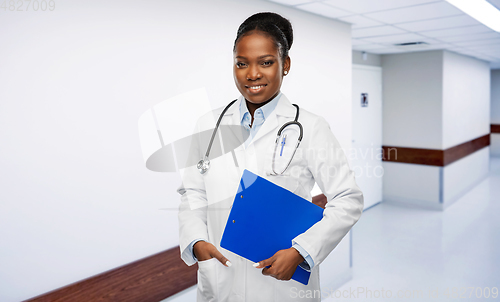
{"x":75,"y":196}
{"x":434,"y":100}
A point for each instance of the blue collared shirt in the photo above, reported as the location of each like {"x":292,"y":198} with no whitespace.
{"x":260,"y":116}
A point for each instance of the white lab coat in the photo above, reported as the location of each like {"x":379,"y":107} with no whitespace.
{"x":206,"y":201}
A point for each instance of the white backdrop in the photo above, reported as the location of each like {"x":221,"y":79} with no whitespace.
{"x":75,"y":196}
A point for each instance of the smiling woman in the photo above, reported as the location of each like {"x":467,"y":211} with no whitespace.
{"x":261,"y":58}
{"x":261,"y":61}
{"x":258,"y":69}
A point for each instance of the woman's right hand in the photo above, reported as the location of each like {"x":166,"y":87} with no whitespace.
{"x":205,"y":250}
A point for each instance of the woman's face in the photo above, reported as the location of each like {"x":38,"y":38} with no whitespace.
{"x":258,"y":68}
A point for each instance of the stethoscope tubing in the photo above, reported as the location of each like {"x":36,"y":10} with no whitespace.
{"x":204,"y":164}
{"x":217,"y":128}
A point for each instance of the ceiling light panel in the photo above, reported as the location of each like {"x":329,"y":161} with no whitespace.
{"x":481,"y":10}
{"x":363,"y":6}
{"x":324,"y":10}
{"x":441,"y":23}
{"x":360,"y":22}
{"x":416,"y":13}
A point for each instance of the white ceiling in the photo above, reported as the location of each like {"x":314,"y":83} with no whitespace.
{"x":379,"y":24}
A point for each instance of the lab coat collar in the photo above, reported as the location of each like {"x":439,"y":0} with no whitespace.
{"x":285,"y":107}
{"x":234,"y":112}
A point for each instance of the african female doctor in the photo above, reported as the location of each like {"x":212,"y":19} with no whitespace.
{"x":261,"y":63}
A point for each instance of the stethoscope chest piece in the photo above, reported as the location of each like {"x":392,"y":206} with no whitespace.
{"x":203,"y":165}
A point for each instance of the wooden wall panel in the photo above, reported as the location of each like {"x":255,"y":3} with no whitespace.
{"x":455,"y":153}
{"x":495,"y":128}
{"x":432,"y":157}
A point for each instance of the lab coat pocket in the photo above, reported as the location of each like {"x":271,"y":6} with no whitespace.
{"x":207,"y":280}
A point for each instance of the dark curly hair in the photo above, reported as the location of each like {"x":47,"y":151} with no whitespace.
{"x":271,"y":24}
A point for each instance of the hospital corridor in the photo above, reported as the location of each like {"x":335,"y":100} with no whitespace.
{"x":417,"y":253}
{"x":249,"y":151}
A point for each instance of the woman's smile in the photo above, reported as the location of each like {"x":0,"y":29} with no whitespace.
{"x":258,"y":68}
{"x":255,"y":89}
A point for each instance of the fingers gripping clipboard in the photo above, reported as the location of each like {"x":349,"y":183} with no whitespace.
{"x":265,"y":218}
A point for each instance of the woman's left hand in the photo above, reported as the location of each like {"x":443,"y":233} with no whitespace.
{"x":282,"y":264}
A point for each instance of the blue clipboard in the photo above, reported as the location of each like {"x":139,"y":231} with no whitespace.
{"x":265,"y":218}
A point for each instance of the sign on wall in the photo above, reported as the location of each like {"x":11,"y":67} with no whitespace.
{"x":364,"y":100}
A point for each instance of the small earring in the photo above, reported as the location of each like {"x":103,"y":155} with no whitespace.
{"x":285,"y":72}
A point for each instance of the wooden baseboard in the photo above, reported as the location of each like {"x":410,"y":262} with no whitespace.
{"x":150,"y":279}
{"x":433,"y":157}
{"x":495,"y":128}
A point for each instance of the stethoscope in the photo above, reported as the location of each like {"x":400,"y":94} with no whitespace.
{"x":204,"y":164}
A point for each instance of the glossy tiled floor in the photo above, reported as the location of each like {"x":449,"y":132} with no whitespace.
{"x":418,"y":255}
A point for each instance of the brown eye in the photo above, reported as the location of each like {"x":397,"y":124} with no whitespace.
{"x":268,"y":63}
{"x":240,"y":65}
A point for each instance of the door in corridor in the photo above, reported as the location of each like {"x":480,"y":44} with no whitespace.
{"x":365,"y":155}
